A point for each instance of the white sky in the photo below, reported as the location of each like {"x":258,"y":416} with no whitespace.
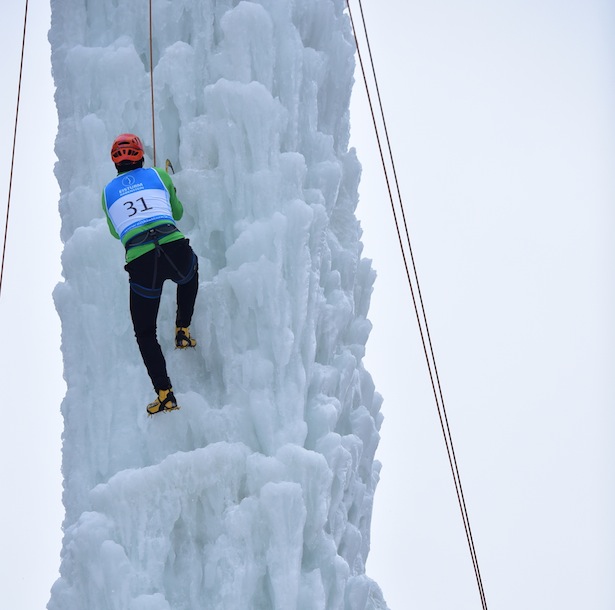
{"x":501,"y":119}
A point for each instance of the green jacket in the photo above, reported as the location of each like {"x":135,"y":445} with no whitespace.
{"x":144,"y":198}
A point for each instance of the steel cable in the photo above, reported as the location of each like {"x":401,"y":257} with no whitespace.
{"x":8,"y":205}
{"x":413,"y":281}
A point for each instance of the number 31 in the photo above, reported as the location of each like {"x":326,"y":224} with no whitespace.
{"x":130,"y":205}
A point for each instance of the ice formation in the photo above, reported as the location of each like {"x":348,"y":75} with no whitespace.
{"x":257,"y":494}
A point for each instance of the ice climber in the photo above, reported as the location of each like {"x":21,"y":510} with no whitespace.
{"x":141,"y":207}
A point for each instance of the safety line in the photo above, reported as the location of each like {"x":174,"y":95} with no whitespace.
{"x":419,"y":311}
{"x":151,"y":80}
{"x":8,"y":205}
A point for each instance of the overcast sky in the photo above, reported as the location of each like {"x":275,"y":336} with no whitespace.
{"x":501,"y":120}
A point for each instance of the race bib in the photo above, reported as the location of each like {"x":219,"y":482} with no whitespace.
{"x":137,"y":198}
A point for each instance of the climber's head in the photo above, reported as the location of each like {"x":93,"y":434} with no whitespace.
{"x":127,"y":152}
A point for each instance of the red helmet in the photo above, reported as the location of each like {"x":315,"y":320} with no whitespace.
{"x":127,"y":147}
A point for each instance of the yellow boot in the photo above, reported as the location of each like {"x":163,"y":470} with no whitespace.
{"x":165,"y":402}
{"x":183,"y":338}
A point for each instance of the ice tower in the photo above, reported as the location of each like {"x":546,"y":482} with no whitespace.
{"x":257,"y":494}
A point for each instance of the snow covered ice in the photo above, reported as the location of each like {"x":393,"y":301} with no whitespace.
{"x":257,"y":494}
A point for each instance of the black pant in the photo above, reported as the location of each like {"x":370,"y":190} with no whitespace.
{"x":174,"y":261}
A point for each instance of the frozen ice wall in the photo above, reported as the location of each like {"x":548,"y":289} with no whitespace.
{"x":257,"y":494}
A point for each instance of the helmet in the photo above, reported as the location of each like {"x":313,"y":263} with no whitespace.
{"x":127,"y":147}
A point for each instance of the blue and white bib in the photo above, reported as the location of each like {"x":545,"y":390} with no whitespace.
{"x":137,"y":198}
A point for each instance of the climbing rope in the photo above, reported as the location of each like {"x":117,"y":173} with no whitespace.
{"x":8,"y":205}
{"x":151,"y":79}
{"x":413,"y":281}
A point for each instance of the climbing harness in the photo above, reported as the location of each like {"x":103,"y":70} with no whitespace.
{"x":153,"y":236}
{"x":415,"y":291}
